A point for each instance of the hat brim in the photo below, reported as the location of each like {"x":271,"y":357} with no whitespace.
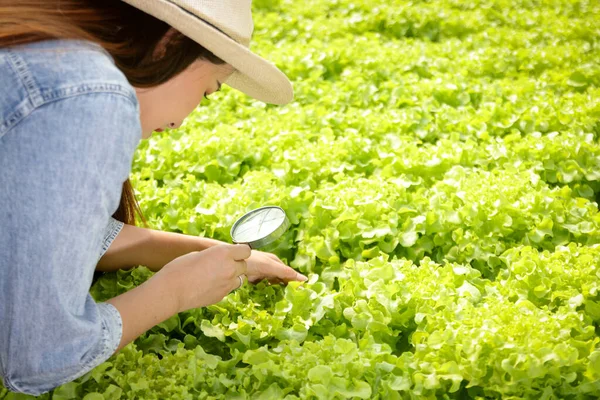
{"x":253,"y":75}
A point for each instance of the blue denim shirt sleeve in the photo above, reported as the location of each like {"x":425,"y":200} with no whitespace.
{"x":110,"y":233}
{"x":69,"y":125}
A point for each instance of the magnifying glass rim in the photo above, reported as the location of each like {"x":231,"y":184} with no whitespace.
{"x":267,"y":239}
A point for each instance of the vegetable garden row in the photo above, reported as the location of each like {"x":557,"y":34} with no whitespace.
{"x":440,"y":167}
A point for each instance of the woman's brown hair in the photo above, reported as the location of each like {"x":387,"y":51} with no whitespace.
{"x":129,"y":35}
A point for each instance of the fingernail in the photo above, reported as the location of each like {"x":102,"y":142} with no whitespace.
{"x":302,"y":277}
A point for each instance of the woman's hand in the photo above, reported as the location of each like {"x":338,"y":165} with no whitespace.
{"x":199,"y":279}
{"x":196,"y":279}
{"x":268,"y":266}
{"x":156,"y":249}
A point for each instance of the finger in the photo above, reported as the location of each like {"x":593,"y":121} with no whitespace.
{"x":254,"y":280}
{"x":240,"y":251}
{"x":238,"y":282}
{"x":274,"y":257}
{"x":240,"y":267}
{"x":287,"y":274}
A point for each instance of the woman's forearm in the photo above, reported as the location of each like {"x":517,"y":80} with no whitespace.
{"x":143,"y":307}
{"x":197,"y":279}
{"x":153,"y":249}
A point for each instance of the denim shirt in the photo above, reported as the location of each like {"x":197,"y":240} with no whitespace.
{"x":69,"y":125}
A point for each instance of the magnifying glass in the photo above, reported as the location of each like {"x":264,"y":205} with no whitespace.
{"x":261,"y":227}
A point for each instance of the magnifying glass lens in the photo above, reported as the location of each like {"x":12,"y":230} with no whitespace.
{"x":260,"y":227}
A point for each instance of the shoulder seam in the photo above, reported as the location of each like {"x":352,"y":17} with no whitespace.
{"x":87,"y":88}
{"x":26,"y":107}
{"x":20,"y":67}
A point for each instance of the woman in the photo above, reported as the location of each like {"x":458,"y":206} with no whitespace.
{"x":82,"y":82}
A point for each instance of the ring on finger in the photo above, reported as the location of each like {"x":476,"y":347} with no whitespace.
{"x":241,"y":278}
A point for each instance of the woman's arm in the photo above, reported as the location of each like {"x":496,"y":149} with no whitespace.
{"x":194,"y":280}
{"x":154,"y":249}
{"x":151,"y":248}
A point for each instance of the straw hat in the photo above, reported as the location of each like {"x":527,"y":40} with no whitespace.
{"x":225,"y":27}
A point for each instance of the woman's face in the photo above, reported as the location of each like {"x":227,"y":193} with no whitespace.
{"x":167,"y":105}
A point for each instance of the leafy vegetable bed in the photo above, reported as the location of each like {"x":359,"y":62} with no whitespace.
{"x":440,"y":168}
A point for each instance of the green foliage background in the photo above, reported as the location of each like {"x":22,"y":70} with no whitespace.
{"x":440,"y":166}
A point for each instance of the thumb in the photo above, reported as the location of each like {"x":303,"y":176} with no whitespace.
{"x":241,"y":251}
